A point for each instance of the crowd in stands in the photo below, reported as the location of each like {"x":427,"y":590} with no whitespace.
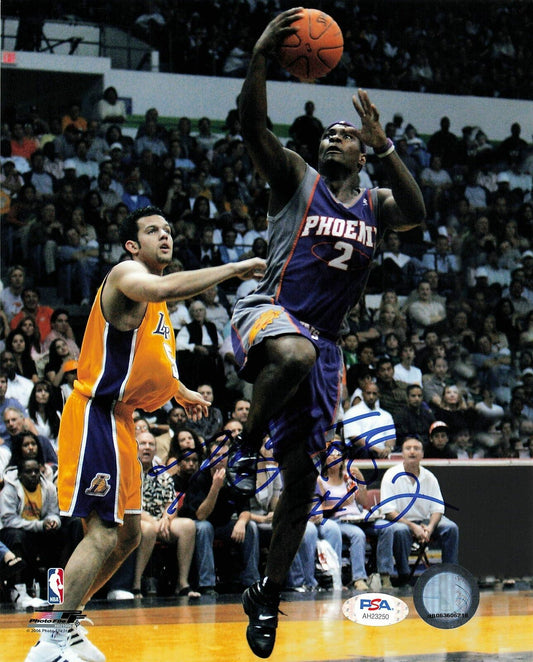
{"x":458,"y":48}
{"x":441,"y":348}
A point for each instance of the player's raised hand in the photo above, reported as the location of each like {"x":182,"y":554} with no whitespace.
{"x":371,"y":132}
{"x":277,"y":30}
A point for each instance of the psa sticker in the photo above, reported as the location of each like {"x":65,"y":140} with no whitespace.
{"x":375,"y":609}
{"x":446,"y":596}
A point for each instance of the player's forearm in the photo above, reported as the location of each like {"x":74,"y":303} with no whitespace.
{"x":405,"y":190}
{"x":185,"y":284}
{"x":253,"y":97}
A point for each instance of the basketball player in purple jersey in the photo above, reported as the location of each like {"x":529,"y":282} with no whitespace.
{"x":323,"y":233}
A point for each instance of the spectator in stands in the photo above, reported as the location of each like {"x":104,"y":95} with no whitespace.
{"x":44,"y":410}
{"x":455,"y":410}
{"x":150,"y":140}
{"x":369,"y":430}
{"x":349,"y":344}
{"x":206,"y":253}
{"x":521,"y":305}
{"x":10,"y":296}
{"x":197,"y":346}
{"x":205,"y":139}
{"x":17,"y":344}
{"x":11,"y":180}
{"x":405,"y":371}
{"x":176,"y":420}
{"x":21,"y":143}
{"x":488,"y":413}
{"x":159,"y":521}
{"x":393,"y":396}
{"x":58,"y":358}
{"x":83,"y":165}
{"x":229,"y":251}
{"x":184,"y":439}
{"x":73,"y":116}
{"x":433,"y":383}
{"x":461,"y":334}
{"x":494,"y":367}
{"x":445,"y":263}
{"x":422,"y":520}
{"x":215,"y":309}
{"x":17,"y":221}
{"x":513,"y":147}
{"x":5,"y":403}
{"x":241,"y":409}
{"x":18,"y":387}
{"x":342,"y":502}
{"x":151,"y":115}
{"x":78,"y":267}
{"x":33,"y":337}
{"x":438,"y":447}
{"x":395,"y":265}
{"x":188,"y":464}
{"x":212,"y":503}
{"x":497,"y":338}
{"x":43,"y":181}
{"x":425,"y":313}
{"x":32,"y":307}
{"x":16,"y":424}
{"x":365,"y":354}
{"x":436,"y":185}
{"x":391,"y":347}
{"x":30,"y":518}
{"x":415,"y":419}
{"x":65,"y":143}
{"x":110,"y":197}
{"x":131,"y":197}
{"x":259,"y":230}
{"x":26,"y":445}
{"x":177,"y":152}
{"x":60,"y":323}
{"x":443,"y":143}
{"x":110,"y":109}
{"x":306,"y":130}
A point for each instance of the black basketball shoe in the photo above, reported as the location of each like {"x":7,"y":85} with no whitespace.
{"x":241,"y":468}
{"x":262,"y":612}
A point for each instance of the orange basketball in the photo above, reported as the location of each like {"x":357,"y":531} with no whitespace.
{"x":315,"y":49}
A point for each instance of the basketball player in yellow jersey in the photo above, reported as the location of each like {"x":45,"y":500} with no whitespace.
{"x":127,"y":361}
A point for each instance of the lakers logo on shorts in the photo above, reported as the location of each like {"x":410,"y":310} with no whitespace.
{"x":262,"y":322}
{"x":99,"y":485}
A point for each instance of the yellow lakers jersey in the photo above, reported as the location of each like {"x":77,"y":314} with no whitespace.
{"x":136,"y":367}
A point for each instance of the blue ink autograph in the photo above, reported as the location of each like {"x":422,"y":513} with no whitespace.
{"x":225,"y":437}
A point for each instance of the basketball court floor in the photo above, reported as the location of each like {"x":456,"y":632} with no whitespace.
{"x":313,"y":630}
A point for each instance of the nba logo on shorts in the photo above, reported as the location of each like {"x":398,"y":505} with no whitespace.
{"x":55,"y":586}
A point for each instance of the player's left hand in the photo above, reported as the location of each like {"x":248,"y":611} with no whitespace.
{"x":371,"y":132}
{"x":194,"y":404}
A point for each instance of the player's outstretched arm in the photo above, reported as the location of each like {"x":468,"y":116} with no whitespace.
{"x":282,"y":168}
{"x":402,"y":206}
{"x":135,"y":282}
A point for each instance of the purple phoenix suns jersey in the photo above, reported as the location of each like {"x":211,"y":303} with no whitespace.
{"x":320,"y":253}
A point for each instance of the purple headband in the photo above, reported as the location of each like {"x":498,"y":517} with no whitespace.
{"x":346,"y":123}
